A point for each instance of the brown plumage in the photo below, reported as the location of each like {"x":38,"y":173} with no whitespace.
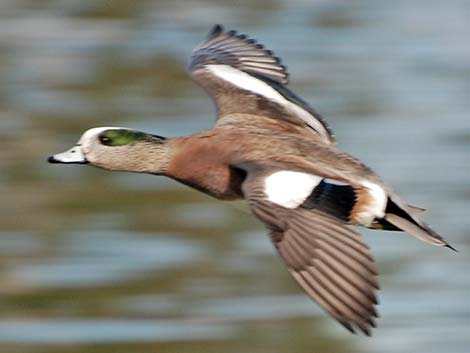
{"x":272,"y":149}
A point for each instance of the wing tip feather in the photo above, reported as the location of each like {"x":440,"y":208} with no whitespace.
{"x":229,"y":49}
{"x":215,"y":31}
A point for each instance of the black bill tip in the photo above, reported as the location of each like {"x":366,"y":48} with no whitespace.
{"x":51,"y":159}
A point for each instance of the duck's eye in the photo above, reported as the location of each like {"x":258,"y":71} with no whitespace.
{"x":105,"y":140}
{"x":120,"y":137}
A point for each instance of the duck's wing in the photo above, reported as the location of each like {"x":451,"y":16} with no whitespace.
{"x":242,"y":77}
{"x":324,"y":254}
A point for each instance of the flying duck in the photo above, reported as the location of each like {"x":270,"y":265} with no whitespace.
{"x":269,"y":147}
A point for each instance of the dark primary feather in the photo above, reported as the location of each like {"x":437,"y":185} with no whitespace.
{"x":241,"y":52}
{"x":328,"y":260}
{"x":323,"y":253}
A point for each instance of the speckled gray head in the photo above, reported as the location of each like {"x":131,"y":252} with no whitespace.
{"x":117,"y":148}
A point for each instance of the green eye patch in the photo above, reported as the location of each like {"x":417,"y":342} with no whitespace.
{"x":120,"y":137}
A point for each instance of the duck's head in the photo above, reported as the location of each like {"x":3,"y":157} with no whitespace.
{"x":117,"y":148}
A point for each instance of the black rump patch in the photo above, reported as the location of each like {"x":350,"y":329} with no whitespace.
{"x":336,"y":200}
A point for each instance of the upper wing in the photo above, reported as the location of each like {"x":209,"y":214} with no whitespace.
{"x":324,"y":254}
{"x":243,"y":77}
{"x":239,"y":52}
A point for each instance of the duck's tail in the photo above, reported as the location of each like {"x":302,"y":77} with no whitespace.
{"x":398,"y":218}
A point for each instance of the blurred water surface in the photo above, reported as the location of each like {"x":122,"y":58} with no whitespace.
{"x":92,"y":261}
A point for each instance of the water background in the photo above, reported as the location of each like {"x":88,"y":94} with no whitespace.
{"x":93,"y":261}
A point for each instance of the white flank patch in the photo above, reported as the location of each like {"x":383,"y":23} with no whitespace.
{"x":250,"y":83}
{"x":290,"y":189}
{"x":375,"y":209}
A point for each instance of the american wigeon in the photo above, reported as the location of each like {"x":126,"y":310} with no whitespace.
{"x":272,"y":149}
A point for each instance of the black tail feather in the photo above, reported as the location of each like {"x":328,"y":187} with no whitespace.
{"x":401,"y":219}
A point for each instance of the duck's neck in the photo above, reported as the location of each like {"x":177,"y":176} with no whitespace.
{"x":143,"y":157}
{"x":153,"y":158}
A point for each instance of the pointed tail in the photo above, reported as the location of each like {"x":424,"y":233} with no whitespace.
{"x":420,"y":231}
{"x":408,"y":223}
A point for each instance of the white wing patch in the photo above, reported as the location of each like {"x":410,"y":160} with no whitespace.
{"x":246,"y":81}
{"x":374,"y":209}
{"x":250,"y":83}
{"x":290,"y":189}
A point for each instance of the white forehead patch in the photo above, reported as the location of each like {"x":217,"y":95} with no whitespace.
{"x":290,"y":189}
{"x":96,"y":131}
